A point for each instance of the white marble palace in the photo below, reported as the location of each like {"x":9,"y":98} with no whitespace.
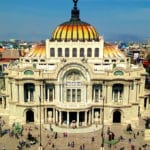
{"x":70,"y":79}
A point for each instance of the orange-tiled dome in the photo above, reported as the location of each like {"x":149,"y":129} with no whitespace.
{"x":37,"y":50}
{"x":112,"y":51}
{"x":75,"y":29}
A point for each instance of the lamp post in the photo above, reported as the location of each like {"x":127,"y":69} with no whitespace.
{"x":102,"y":133}
{"x":40,"y":147}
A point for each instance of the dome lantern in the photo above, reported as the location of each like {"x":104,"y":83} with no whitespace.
{"x":75,"y":12}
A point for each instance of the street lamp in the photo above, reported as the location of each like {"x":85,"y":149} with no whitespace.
{"x":102,"y":134}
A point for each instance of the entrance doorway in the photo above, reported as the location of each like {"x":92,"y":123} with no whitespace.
{"x":117,"y":117}
{"x":29,"y":116}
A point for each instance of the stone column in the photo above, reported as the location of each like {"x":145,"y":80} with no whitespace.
{"x":28,"y":100}
{"x":43,"y":91}
{"x":56,"y":116}
{"x":47,"y":94}
{"x":88,"y":93}
{"x":109,"y":94}
{"x":60,"y":117}
{"x":113,"y":97}
{"x":68,"y":119}
{"x":53,"y":94}
{"x":92,"y":115}
{"x":118,"y":96}
{"x":21,"y":93}
{"x":45,"y":118}
{"x":14,"y":92}
{"x":89,"y":117}
{"x":36,"y":93}
{"x":85,"y":118}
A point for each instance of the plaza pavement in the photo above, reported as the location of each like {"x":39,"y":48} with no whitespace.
{"x":61,"y":143}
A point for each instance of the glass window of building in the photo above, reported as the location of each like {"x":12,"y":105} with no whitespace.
{"x":79,"y":95}
{"x":96,"y":54}
{"x":81,"y":52}
{"x":66,"y":52}
{"x":74,"y":52}
{"x":52,"y":52}
{"x":73,"y":95}
{"x":59,"y":52}
{"x":68,"y":95}
{"x":89,"y":52}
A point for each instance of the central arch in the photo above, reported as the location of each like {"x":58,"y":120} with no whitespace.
{"x":29,"y":116}
{"x":117,"y":116}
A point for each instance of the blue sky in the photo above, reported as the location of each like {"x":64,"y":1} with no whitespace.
{"x":36,"y":19}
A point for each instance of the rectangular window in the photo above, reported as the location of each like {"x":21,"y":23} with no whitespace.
{"x":51,"y":94}
{"x":52,"y":52}
{"x":81,"y":52}
{"x":78,"y":95}
{"x":66,"y":52}
{"x":96,"y":52}
{"x":59,"y":52}
{"x":96,"y":94}
{"x":73,"y":95}
{"x":31,"y":96}
{"x":1,"y":101}
{"x":89,"y":52}
{"x":68,"y":95}
{"x":74,"y":52}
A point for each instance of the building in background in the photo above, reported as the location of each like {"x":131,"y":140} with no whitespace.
{"x":71,"y":77}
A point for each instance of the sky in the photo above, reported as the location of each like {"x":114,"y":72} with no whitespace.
{"x":34,"y":20}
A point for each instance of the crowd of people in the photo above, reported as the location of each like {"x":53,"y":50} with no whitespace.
{"x":28,"y":136}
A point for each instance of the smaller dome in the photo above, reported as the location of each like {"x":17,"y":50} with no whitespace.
{"x":112,"y":51}
{"x":37,"y":50}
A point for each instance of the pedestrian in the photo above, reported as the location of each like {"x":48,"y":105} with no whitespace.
{"x":56,"y":135}
{"x":129,"y":140}
{"x":132,"y":147}
{"x":68,"y":144}
{"x":108,"y":130}
{"x":53,"y":145}
{"x":134,"y":136}
{"x":72,"y":144}
{"x":93,"y":139}
{"x":80,"y":147}
{"x":83,"y":147}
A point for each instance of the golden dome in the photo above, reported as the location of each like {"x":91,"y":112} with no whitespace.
{"x":75,"y":29}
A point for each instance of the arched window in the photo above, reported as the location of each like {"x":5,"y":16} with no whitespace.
{"x":118,"y":73}
{"x":28,"y":72}
{"x":117,"y":92}
{"x":29,"y":89}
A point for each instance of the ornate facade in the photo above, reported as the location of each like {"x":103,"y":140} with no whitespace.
{"x":72,"y":78}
